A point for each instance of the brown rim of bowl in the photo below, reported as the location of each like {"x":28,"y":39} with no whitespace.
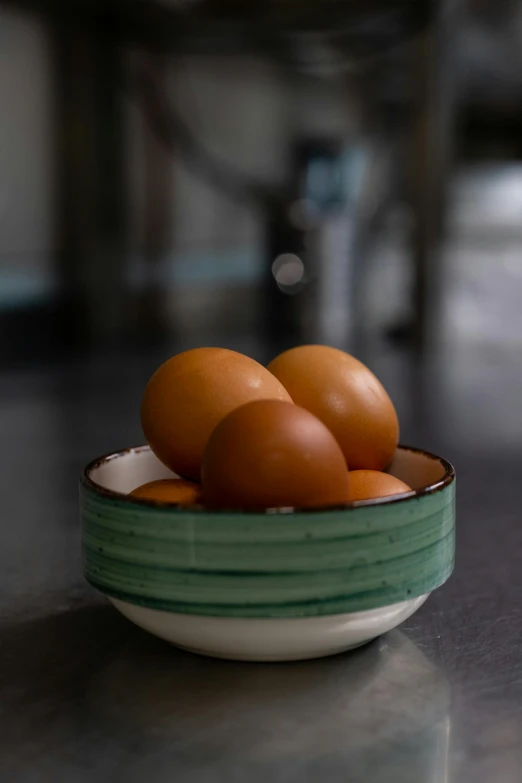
{"x":447,"y":479}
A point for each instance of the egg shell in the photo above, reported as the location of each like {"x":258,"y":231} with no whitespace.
{"x":373,"y":484}
{"x":179,"y":491}
{"x":273,"y":454}
{"x":191,"y":393}
{"x":347,"y":397}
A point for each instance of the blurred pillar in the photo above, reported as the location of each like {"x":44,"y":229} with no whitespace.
{"x":152,"y":311}
{"x":432,"y":143}
{"x":307,"y":280}
{"x":90,"y":187}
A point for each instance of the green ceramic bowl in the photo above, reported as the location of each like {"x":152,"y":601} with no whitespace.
{"x":284,"y":584}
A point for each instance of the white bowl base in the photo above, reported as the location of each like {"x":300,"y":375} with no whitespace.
{"x":271,"y":639}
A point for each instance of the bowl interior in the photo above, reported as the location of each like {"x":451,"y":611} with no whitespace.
{"x":418,"y":469}
{"x":126,"y":470}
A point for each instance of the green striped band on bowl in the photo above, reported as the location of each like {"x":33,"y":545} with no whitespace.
{"x":268,"y":565}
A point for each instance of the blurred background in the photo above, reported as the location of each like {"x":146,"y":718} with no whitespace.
{"x":261,"y":174}
{"x":187,"y":170}
{"x":256,"y":175}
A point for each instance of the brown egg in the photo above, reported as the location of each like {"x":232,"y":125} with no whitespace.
{"x":272,"y":454}
{"x":184,"y":493}
{"x":372,"y":484}
{"x":347,"y":397}
{"x":191,"y":393}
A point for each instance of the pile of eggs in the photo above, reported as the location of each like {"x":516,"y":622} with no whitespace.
{"x":314,"y":429}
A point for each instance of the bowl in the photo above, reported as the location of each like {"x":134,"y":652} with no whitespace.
{"x":286,"y":584}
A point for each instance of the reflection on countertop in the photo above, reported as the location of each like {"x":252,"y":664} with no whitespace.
{"x":383,"y":711}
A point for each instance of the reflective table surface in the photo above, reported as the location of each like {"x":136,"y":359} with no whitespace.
{"x":85,"y":696}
